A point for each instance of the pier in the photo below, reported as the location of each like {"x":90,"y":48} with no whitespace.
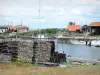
{"x":82,"y":60}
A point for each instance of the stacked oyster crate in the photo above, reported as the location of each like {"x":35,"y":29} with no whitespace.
{"x":31,"y":52}
{"x":28,"y":51}
{"x":42,"y":51}
{"x":3,"y":47}
{"x":25,"y":51}
{"x":13,"y":48}
{"x":21,"y":50}
{"x":5,"y":53}
{"x":58,"y":57}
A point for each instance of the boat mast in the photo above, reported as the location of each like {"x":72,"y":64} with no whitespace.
{"x":39,"y":20}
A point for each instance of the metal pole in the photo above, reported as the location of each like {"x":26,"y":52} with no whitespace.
{"x":39,"y":31}
{"x":40,"y":19}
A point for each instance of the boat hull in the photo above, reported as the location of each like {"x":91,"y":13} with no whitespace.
{"x":77,"y":42}
{"x":95,"y":43}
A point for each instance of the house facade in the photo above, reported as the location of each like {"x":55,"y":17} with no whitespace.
{"x":85,"y":29}
{"x":3,"y":29}
{"x":94,"y":28}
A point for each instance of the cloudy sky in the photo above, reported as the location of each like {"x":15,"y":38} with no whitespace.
{"x":53,"y":13}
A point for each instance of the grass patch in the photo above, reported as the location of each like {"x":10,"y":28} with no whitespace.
{"x":21,"y":68}
{"x":19,"y":62}
{"x":81,"y":70}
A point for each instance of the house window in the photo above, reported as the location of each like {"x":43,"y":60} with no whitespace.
{"x":93,"y":30}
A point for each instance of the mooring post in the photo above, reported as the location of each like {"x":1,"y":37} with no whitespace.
{"x":90,"y":43}
{"x":86,"y":42}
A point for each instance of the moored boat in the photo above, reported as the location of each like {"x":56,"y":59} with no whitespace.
{"x":95,"y":43}
{"x":78,"y":42}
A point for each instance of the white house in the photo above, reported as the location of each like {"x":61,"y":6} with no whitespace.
{"x":3,"y":29}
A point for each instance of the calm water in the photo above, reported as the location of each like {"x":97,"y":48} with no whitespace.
{"x":79,"y":51}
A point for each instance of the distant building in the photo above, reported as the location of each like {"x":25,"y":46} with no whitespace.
{"x":74,"y":28}
{"x":19,"y":28}
{"x":3,"y":29}
{"x":85,"y":29}
{"x":94,"y":28}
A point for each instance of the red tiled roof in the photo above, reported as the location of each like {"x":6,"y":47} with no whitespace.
{"x":25,"y":27}
{"x":74,"y":27}
{"x":13,"y":28}
{"x":95,"y":24}
{"x":16,"y":27}
{"x":22,"y":27}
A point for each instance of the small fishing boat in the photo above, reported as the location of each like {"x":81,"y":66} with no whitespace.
{"x":95,"y":43}
{"x":78,"y":42}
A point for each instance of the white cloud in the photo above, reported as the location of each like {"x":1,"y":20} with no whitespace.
{"x":14,"y":11}
{"x":76,"y":12}
{"x":80,"y":1}
{"x":50,"y":10}
{"x":42,"y":20}
{"x":89,"y":2}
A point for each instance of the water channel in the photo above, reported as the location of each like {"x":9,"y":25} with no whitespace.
{"x":79,"y":51}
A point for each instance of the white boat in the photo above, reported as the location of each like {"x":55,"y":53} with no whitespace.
{"x":77,"y":42}
{"x":95,"y":42}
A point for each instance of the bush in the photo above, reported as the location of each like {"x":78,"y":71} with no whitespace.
{"x":69,"y":62}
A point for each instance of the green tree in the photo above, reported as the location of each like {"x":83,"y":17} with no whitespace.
{"x":51,"y":31}
{"x":71,"y":23}
{"x":36,"y":32}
